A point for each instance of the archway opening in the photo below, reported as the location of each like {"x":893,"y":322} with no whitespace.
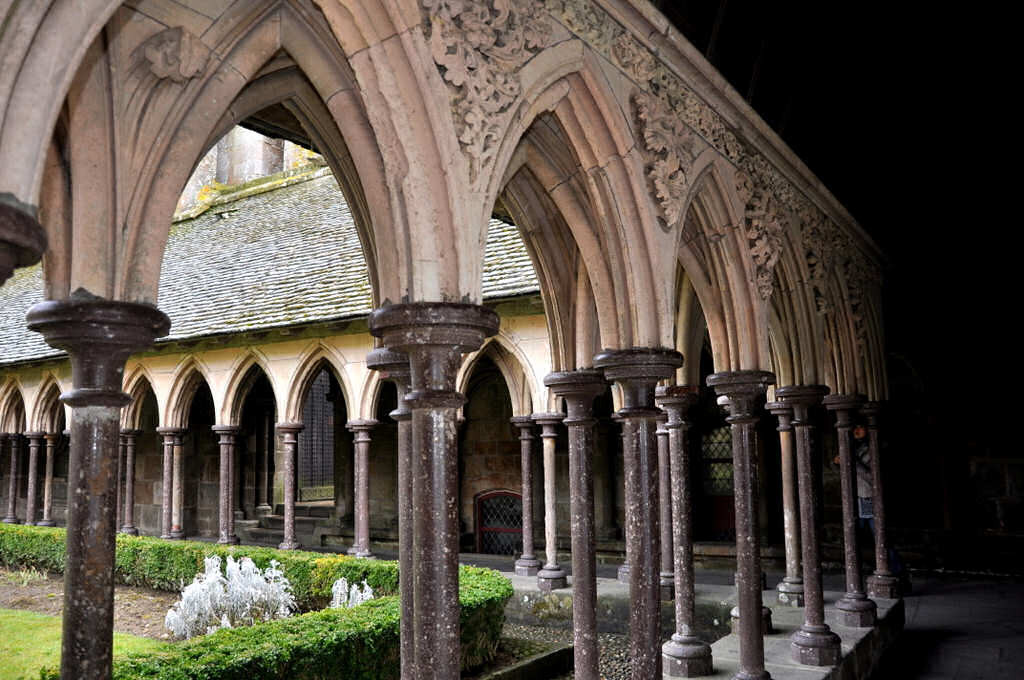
{"x":257,"y":450}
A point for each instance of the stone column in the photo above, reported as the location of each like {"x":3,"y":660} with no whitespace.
{"x":99,"y":335}
{"x":290,"y":441}
{"x":579,"y":389}
{"x":685,"y":655}
{"x":121,"y":448}
{"x":51,"y":445}
{"x":745,"y":389}
{"x":527,"y":564}
{"x":666,"y":576}
{"x":814,"y":644}
{"x":35,"y":441}
{"x":791,"y":587}
{"x":168,"y":435}
{"x":361,"y":467}
{"x":855,"y":609}
{"x":552,"y":576}
{"x":12,"y":482}
{"x":394,"y":366}
{"x":130,"y":438}
{"x":435,"y":335}
{"x":637,"y":371}
{"x":226,"y":435}
{"x":622,"y":574}
{"x":883,"y":583}
{"x":264,"y":501}
{"x":178,"y":486}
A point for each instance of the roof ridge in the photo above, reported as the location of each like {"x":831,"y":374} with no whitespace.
{"x":222,"y":194}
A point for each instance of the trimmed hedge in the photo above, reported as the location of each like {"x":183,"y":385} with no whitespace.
{"x":358,"y":643}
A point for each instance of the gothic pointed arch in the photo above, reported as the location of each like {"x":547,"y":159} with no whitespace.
{"x":188,"y":376}
{"x":12,"y":407}
{"x":316,"y":358}
{"x":524,"y":388}
{"x":47,"y":410}
{"x":244,"y":373}
{"x":137,"y":385}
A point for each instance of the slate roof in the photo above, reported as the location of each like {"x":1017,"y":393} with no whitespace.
{"x":279,"y":257}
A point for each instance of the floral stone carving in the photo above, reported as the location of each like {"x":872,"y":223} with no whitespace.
{"x":669,"y":145}
{"x":763,"y":225}
{"x":174,"y":53}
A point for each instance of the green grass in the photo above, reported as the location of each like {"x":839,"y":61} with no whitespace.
{"x":29,"y":641}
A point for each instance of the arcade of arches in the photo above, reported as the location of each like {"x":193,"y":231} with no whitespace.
{"x":688,"y":267}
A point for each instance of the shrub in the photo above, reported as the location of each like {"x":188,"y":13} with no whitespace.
{"x":354,"y":643}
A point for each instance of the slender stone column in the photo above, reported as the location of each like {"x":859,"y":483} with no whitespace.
{"x":855,"y":609}
{"x":35,"y":441}
{"x":361,"y":459}
{"x":51,"y":445}
{"x":579,"y":389}
{"x":666,"y":577}
{"x":121,"y":448}
{"x":99,"y":335}
{"x":684,"y":655}
{"x":791,"y":587}
{"x":435,"y":335}
{"x":527,"y":564}
{"x":167,"y":434}
{"x":226,"y":435}
{"x":12,"y":483}
{"x":745,"y":389}
{"x":814,"y":644}
{"x":290,"y":441}
{"x":394,"y":366}
{"x":130,"y":438}
{"x":178,"y":486}
{"x":263,"y":490}
{"x":883,"y":583}
{"x":637,"y":371}
{"x":552,"y":576}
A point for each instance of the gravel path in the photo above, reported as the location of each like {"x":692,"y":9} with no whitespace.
{"x":614,"y":648}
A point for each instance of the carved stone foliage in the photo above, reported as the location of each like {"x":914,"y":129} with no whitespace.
{"x":763,"y":225}
{"x":479,"y":47}
{"x":669,"y":149}
{"x":173,"y":53}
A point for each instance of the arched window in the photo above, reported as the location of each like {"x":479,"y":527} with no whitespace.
{"x":316,"y":441}
{"x":499,"y":521}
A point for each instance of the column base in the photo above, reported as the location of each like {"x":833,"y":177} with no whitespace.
{"x":131,"y":531}
{"x":752,"y":675}
{"x":883,"y":585}
{"x":551,"y":578}
{"x":791,"y":593}
{"x":264,"y":510}
{"x":352,"y":550}
{"x":10,"y":520}
{"x":815,"y":646}
{"x":527,"y":566}
{"x":46,"y":523}
{"x":177,"y":535}
{"x":364,"y":554}
{"x":288,"y":546}
{"x":686,"y":656}
{"x":623,"y":575}
{"x":166,"y":537}
{"x":230,"y":540}
{"x":667,"y":583}
{"x":766,"y":620}
{"x":856,"y":611}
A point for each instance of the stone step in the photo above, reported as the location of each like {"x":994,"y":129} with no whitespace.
{"x":302,"y":510}
{"x":307,"y":524}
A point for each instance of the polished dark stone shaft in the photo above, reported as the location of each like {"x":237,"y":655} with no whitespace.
{"x":35,"y":441}
{"x":226,"y":435}
{"x":130,"y":439}
{"x":684,"y":655}
{"x":745,"y":391}
{"x":814,"y":644}
{"x":637,"y":372}
{"x":666,"y":577}
{"x":435,"y":336}
{"x":527,"y":564}
{"x":579,"y":389}
{"x":12,"y":483}
{"x":178,"y":486}
{"x":119,"y":505}
{"x":551,"y":576}
{"x":883,"y":583}
{"x":791,"y":587}
{"x":98,"y":335}
{"x":290,"y":444}
{"x":361,"y":542}
{"x":169,"y":435}
{"x":394,"y":366}
{"x":51,"y":445}
{"x":855,"y":609}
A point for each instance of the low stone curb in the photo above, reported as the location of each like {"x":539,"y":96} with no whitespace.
{"x":549,"y":664}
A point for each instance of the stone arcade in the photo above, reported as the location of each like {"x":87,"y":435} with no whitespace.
{"x":657,"y":210}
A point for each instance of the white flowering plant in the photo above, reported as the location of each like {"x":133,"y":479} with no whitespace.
{"x":345,"y":595}
{"x":243,"y":596}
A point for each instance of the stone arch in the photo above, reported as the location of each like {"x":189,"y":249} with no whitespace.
{"x":12,"y":407}
{"x":244,"y":373}
{"x":47,"y":409}
{"x":315,"y":357}
{"x":137,"y":385}
{"x":523,"y":386}
{"x":188,"y":376}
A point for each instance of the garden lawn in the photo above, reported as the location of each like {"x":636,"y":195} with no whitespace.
{"x":29,"y":641}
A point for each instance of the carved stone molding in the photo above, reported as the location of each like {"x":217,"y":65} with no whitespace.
{"x":479,"y":48}
{"x":175,"y":54}
{"x":669,"y":150}
{"x":763,"y":225}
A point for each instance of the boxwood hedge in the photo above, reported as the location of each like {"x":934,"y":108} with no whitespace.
{"x":357,"y":643}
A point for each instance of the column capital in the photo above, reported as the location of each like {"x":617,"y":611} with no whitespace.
{"x":782,"y":411}
{"x":171,"y":431}
{"x":525,"y":426}
{"x":99,"y":335}
{"x":393,"y":366}
{"x":227,"y":433}
{"x":53,"y":436}
{"x":637,"y":371}
{"x":35,"y":435}
{"x":22,"y":238}
{"x":744,"y":389}
{"x":289,"y":428}
{"x":872,"y":410}
{"x":844,"y":406}
{"x":676,"y":401}
{"x":130,"y":432}
{"x":578,"y":388}
{"x":361,"y":428}
{"x":548,"y":421}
